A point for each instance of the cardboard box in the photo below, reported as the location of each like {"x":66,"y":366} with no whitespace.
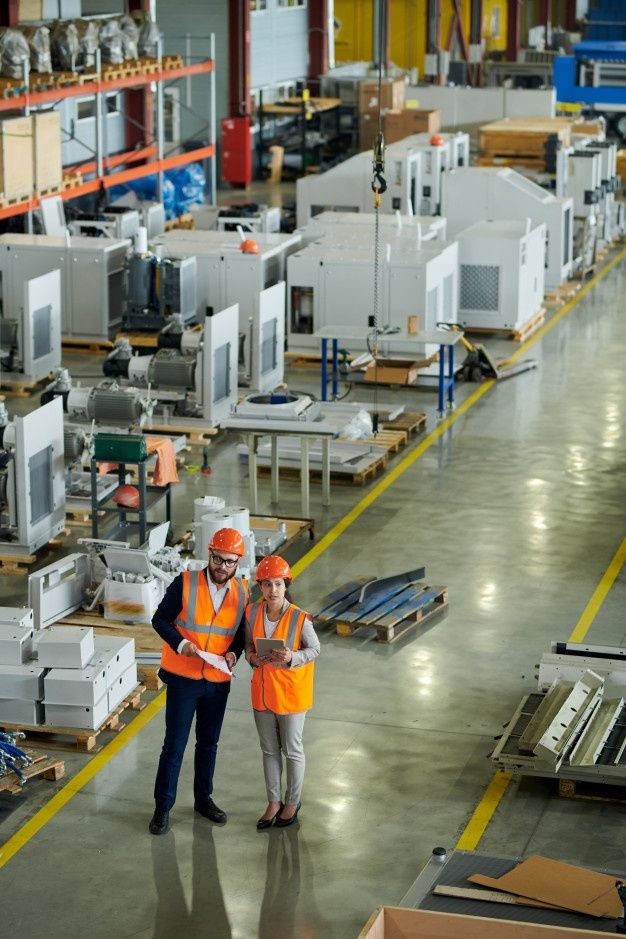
{"x":395,"y":371}
{"x":392,"y":94}
{"x":47,"y":168}
{"x":368,"y":129}
{"x":394,"y":922}
{"x":400,"y":124}
{"x":16,"y":157}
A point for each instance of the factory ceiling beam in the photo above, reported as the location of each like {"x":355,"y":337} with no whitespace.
{"x":239,"y":57}
{"x":318,"y":40}
{"x":514,"y":30}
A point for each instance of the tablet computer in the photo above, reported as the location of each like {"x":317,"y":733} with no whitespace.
{"x":263,"y":646}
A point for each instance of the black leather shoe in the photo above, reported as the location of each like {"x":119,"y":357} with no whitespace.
{"x":264,"y":823}
{"x":160,"y":822}
{"x":210,"y":810}
{"x":285,"y":822}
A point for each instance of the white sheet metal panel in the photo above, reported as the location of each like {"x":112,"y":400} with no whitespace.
{"x":84,"y":686}
{"x":123,"y":686}
{"x":220,"y":358}
{"x":23,"y":682}
{"x":268,"y":340}
{"x":76,"y":715}
{"x":16,"y":645}
{"x":58,"y":589}
{"x":17,"y":616}
{"x":116,"y":654}
{"x":16,"y":711}
{"x":41,"y":325}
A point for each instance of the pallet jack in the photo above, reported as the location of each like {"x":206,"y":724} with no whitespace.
{"x":479,"y":365}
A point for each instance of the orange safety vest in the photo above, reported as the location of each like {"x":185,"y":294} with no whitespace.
{"x":277,"y":689}
{"x":210,"y":631}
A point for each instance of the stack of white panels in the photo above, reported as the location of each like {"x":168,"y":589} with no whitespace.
{"x":84,"y":696}
{"x":21,"y":688}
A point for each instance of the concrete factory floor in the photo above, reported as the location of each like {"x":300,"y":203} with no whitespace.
{"x":518,"y":508}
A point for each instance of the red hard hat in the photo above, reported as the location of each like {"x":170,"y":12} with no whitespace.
{"x":228,"y":539}
{"x":127,"y":497}
{"x":273,"y":566}
{"x":437,"y":140}
{"x":249,"y":246}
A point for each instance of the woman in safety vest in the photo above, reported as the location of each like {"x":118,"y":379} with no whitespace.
{"x":282,"y":687}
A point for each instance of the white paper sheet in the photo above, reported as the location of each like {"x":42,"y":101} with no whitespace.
{"x":217,"y":661}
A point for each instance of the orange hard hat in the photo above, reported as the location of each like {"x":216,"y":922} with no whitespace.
{"x":228,"y":539}
{"x":127,"y":497}
{"x":273,"y":566}
{"x":249,"y":246}
{"x":437,"y":140}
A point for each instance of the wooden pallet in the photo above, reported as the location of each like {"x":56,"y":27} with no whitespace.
{"x":150,"y":338}
{"x":79,"y":739}
{"x":411,"y":422}
{"x":21,"y":388}
{"x":563,"y":293}
{"x":518,"y":335}
{"x":404,"y":610}
{"x":41,"y":766}
{"x":196,"y":436}
{"x":12,"y":87}
{"x":592,"y":791}
{"x":15,"y":199}
{"x":186,"y":221}
{"x":391,"y":440}
{"x":356,"y":479}
{"x":87,"y":346}
{"x":14,"y":565}
{"x":171,"y":61}
{"x":71,"y":180}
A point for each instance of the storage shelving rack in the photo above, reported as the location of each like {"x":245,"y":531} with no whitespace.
{"x":133,"y":164}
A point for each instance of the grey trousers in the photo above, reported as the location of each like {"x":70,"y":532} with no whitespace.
{"x":282,"y":732}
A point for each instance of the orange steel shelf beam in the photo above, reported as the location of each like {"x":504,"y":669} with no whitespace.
{"x":32,"y":99}
{"x":115,"y":179}
{"x":117,"y":159}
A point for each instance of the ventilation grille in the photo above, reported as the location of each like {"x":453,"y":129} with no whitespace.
{"x":432,"y":301}
{"x":480,"y":287}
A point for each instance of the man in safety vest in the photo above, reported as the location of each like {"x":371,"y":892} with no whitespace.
{"x":201,"y":621}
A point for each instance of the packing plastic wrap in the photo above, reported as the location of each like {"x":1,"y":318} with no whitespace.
{"x":89,"y":40}
{"x":64,"y":45}
{"x":358,"y":427}
{"x":13,"y":50}
{"x":149,"y":39}
{"x":38,"y":39}
{"x":130,"y":37}
{"x":111,"y":44}
{"x":181,"y":188}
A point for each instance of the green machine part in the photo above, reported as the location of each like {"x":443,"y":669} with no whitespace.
{"x":120,"y":448}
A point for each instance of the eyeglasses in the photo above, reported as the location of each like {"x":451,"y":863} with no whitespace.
{"x":219,"y":561}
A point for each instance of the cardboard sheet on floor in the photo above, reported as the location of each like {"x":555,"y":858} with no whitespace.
{"x":564,"y":885}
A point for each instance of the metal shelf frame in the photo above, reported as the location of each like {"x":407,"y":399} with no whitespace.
{"x":151,"y":158}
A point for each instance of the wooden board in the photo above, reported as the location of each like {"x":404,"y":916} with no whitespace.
{"x":86,"y":345}
{"x":42,"y":766}
{"x":13,"y":564}
{"x":21,"y":388}
{"x":47,"y":168}
{"x":592,"y":792}
{"x":196,"y":433}
{"x":16,"y":157}
{"x":413,"y":422}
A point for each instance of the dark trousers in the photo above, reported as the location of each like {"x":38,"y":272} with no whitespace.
{"x":186,"y":697}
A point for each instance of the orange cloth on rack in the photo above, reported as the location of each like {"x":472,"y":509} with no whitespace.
{"x":165,"y":470}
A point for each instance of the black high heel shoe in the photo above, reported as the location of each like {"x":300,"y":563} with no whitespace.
{"x":264,"y":823}
{"x":285,"y":822}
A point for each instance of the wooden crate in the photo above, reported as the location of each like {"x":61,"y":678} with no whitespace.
{"x":16,"y":157}
{"x":47,"y":168}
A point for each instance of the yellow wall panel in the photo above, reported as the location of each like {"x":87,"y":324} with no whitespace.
{"x":353,"y":40}
{"x":495,"y":20}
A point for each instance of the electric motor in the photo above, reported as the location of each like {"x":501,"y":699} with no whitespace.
{"x":73,"y":444}
{"x":166,"y":369}
{"x":102,"y":403}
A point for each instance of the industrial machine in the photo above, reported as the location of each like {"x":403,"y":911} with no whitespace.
{"x":501,"y":282}
{"x":158,"y":288}
{"x":197,"y":380}
{"x":92,"y":278}
{"x":250,"y":217}
{"x":151,"y":214}
{"x":115,"y":222}
{"x":331,"y":226}
{"x":30,"y":334}
{"x":491,"y":193}
{"x":595,"y":76}
{"x":32,"y":487}
{"x":439,"y":154}
{"x":330,"y":284}
{"x":227,"y":275}
{"x":106,"y":402}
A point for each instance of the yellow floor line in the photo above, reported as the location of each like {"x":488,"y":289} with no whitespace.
{"x":79,"y":781}
{"x":599,"y":595}
{"x":486,"y":808}
{"x":44,"y":815}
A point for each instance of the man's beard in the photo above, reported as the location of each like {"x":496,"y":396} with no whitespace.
{"x":220,"y":576}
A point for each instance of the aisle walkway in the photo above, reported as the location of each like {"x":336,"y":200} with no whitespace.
{"x":518,"y":508}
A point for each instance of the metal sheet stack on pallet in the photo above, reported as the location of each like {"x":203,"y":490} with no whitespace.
{"x":574,"y":726}
{"x":393,"y":606}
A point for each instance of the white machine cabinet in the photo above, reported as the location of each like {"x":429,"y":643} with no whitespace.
{"x":491,"y":193}
{"x":501,"y":273}
{"x":358,"y":227}
{"x":268,"y":340}
{"x":220,"y":358}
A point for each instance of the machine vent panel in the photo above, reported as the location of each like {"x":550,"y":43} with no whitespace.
{"x":40,"y":479}
{"x":480,"y":287}
{"x":448,"y":296}
{"x":41,"y":332}
{"x":268,"y":346}
{"x":221,"y":376}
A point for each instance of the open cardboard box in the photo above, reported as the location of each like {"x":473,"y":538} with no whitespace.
{"x":397,"y":371}
{"x":394,"y":922}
